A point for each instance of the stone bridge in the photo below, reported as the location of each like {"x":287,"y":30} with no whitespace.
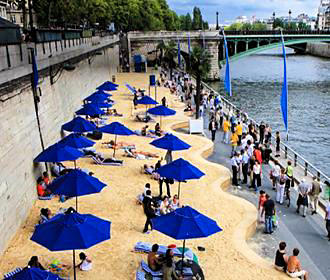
{"x":240,"y":44}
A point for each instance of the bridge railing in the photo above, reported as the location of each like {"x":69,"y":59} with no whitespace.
{"x":278,"y":32}
{"x":297,"y":159}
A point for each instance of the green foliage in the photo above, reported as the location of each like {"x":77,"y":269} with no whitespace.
{"x":257,"y":26}
{"x":197,"y":22}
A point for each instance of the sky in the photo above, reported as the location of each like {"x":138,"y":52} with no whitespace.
{"x":230,"y":9}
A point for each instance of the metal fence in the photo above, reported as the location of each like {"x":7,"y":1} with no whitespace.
{"x":296,"y":158}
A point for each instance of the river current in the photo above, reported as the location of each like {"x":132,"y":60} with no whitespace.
{"x":256,"y":84}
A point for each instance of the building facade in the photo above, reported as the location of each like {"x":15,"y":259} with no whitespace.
{"x":3,"y":9}
{"x":323,"y":16}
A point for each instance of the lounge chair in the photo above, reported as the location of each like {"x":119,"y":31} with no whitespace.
{"x":115,"y":162}
{"x":12,"y":273}
{"x":49,"y":197}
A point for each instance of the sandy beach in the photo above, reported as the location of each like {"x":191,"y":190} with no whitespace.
{"x":227,"y":256}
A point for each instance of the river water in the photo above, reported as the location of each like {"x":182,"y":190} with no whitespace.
{"x":256,"y":84}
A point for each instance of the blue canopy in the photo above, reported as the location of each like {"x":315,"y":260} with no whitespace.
{"x":33,"y":273}
{"x":97,"y":97}
{"x":101,"y":105}
{"x":79,"y":124}
{"x":180,"y":170}
{"x":161,"y":111}
{"x":170,"y":142}
{"x":90,"y":110}
{"x":102,"y":92}
{"x":185,"y":223}
{"x":71,"y":231}
{"x":75,"y":140}
{"x":108,"y":86}
{"x":147,"y":100}
{"x":116,"y":128}
{"x":58,"y":153}
{"x":76,"y":183}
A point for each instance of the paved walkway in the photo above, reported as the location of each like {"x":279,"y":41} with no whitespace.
{"x":308,"y":234}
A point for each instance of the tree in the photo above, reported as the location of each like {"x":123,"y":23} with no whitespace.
{"x":200,"y":66}
{"x":197,"y":22}
{"x":168,"y":54}
{"x":188,"y":22}
{"x":278,"y":23}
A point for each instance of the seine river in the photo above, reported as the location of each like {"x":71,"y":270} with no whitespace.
{"x":256,"y":84}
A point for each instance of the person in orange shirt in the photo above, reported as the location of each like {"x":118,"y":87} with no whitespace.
{"x":226,"y":127}
{"x":41,"y":188}
{"x":234,"y":141}
{"x":239,"y":131}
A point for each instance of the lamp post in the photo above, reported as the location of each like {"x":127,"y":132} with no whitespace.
{"x":217,"y":27}
{"x":290,"y":16}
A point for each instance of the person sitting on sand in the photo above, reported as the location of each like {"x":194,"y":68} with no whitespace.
{"x":158,"y":131}
{"x":34,"y":262}
{"x":148,"y":169}
{"x":294,"y":267}
{"x":45,"y":214}
{"x":41,"y":188}
{"x":113,"y":112}
{"x":144,"y":130}
{"x":154,"y":262}
{"x":86,"y":263}
{"x":45,"y":178}
{"x":169,"y":272}
{"x":174,"y":203}
{"x":188,"y":108}
{"x":164,"y":207}
{"x":281,"y":259}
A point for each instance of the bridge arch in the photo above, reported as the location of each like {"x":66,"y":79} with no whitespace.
{"x":298,"y":45}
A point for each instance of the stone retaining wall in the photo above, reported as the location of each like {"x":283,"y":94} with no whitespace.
{"x":319,"y":49}
{"x":19,"y":136}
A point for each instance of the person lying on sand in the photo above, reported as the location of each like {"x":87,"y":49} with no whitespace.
{"x":45,"y":215}
{"x":86,"y":263}
{"x":113,"y":112}
{"x":119,"y":145}
{"x":136,"y":153}
{"x":103,"y":159}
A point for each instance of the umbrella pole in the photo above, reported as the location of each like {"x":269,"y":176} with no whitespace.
{"x":77,"y":203}
{"x":179,"y":190}
{"x":184,"y":246}
{"x":114,"y":147}
{"x":74,"y":264}
{"x":75,"y":164}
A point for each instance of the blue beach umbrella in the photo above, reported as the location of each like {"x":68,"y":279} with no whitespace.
{"x":102,"y":105}
{"x":97,"y":97}
{"x":102,"y":92}
{"x":185,"y":223}
{"x":79,"y":124}
{"x":161,"y":111}
{"x":90,"y":109}
{"x":180,"y":170}
{"x":33,"y":273}
{"x":116,"y":128}
{"x":108,"y":86}
{"x":146,"y":100}
{"x":170,"y":142}
{"x":58,"y":153}
{"x":75,"y":140}
{"x":76,"y":183}
{"x":72,"y":231}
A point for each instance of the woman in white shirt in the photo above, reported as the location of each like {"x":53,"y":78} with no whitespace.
{"x":280,"y":187}
{"x":256,"y":176}
{"x":86,"y":263}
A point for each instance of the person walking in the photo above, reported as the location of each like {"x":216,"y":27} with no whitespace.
{"x":234,"y":166}
{"x":239,"y":131}
{"x":261,"y":202}
{"x":289,"y":182}
{"x":226,"y":127}
{"x":268,"y":211}
{"x":221,"y":115}
{"x":262,"y":128}
{"x":303,"y":190}
{"x":233,"y":141}
{"x":245,"y":165}
{"x":275,"y":174}
{"x":294,"y":269}
{"x":256,"y":181}
{"x":327,"y":220}
{"x":213,"y":127}
{"x":278,"y":144}
{"x":149,"y":210}
{"x":314,"y":194}
{"x":281,"y":187}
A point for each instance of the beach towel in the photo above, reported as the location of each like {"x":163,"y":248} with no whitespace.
{"x":12,"y":273}
{"x":140,"y":275}
{"x":147,"y":269}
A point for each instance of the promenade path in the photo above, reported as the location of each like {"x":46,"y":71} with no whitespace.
{"x":308,"y":234}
